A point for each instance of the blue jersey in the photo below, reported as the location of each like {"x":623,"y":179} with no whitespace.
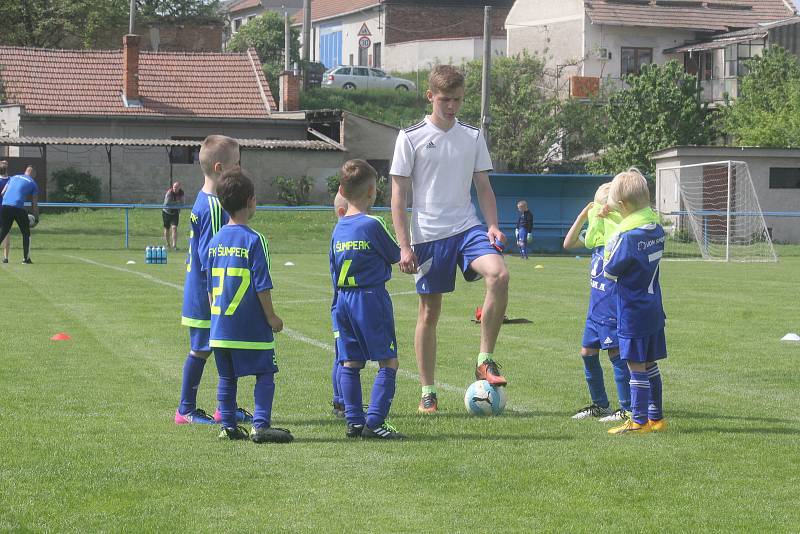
{"x":20,"y":187}
{"x":362,"y":252}
{"x":633,"y":263}
{"x":206,"y":220}
{"x":238,"y":269}
{"x":525,"y":220}
{"x":3,"y":182}
{"x":602,"y":292}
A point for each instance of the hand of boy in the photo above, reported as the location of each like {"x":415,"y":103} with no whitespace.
{"x":275,"y":322}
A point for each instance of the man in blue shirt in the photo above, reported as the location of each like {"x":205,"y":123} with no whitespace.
{"x":14,"y":194}
{"x":361,"y":257}
{"x":242,"y":316}
{"x":632,"y":260}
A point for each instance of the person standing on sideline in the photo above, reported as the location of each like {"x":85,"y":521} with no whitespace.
{"x":3,"y":181}
{"x":171,"y":213}
{"x":19,"y":188}
{"x":441,"y":158}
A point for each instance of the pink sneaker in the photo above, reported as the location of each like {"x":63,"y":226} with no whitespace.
{"x":195,"y":417}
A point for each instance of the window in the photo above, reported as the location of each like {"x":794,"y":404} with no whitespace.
{"x":360,"y":71}
{"x":784,"y":178}
{"x":376,"y":54}
{"x":237,"y":23}
{"x":736,"y":55}
{"x":186,"y":155}
{"x":251,"y":17}
{"x":634,"y":58}
{"x":344,"y":71}
{"x":706,"y":65}
{"x":378,"y":73}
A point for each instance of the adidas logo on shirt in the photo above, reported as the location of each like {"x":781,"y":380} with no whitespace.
{"x":431,"y":145}
{"x":608,"y":340}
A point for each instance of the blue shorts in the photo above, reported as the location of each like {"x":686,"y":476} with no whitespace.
{"x":644,"y":349}
{"x":438,"y":260}
{"x":366,"y":325}
{"x":599,"y":336}
{"x":199,"y":339}
{"x":247,"y":362}
{"x":522,"y":235}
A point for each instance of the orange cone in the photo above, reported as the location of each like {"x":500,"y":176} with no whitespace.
{"x":478,"y":313}
{"x":61,"y":336}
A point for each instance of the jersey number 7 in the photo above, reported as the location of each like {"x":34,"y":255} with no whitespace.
{"x":228,"y":273}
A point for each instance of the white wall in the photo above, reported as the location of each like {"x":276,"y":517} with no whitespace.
{"x":10,"y":127}
{"x":416,"y":55}
{"x":350,"y":26}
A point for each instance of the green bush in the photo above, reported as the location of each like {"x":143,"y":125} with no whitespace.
{"x":293,"y":191}
{"x":397,"y":108}
{"x":73,"y":185}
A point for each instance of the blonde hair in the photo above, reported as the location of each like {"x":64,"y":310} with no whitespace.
{"x":522,"y":203}
{"x":445,"y":78}
{"x":631,"y":188}
{"x":218,"y":149}
{"x":601,"y":195}
{"x":357,"y":176}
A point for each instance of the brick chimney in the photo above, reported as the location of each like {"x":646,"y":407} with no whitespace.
{"x":289,"y":91}
{"x":130,"y":74}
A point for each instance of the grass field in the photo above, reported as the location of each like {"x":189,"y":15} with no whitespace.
{"x":89,"y":443}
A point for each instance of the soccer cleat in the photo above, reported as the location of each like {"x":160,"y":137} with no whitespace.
{"x":657,"y":426}
{"x":242,"y":416}
{"x":270,"y":435}
{"x":618,"y":415}
{"x":27,"y":261}
{"x":235,"y":433}
{"x":5,"y":260}
{"x":489,"y":370}
{"x":385,"y":431}
{"x":630,"y":427}
{"x":354,"y":431}
{"x":195,"y":417}
{"x":592,"y":410}
{"x":338,"y":410}
{"x":428,"y":403}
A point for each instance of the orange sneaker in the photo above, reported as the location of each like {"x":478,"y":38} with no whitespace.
{"x":657,"y":426}
{"x":489,"y":370}
{"x":631,"y":427}
{"x":428,"y":403}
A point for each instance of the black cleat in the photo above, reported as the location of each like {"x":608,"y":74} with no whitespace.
{"x":235,"y":433}
{"x":27,"y":261}
{"x":354,"y":431}
{"x":270,"y":435}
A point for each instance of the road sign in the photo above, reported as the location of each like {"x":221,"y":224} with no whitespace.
{"x":364,"y":30}
{"x":364,"y":42}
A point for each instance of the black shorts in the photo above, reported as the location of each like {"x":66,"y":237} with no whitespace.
{"x":169,"y":219}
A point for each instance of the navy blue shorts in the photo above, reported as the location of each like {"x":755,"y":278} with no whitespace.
{"x":522,"y":236}
{"x":644,"y":349}
{"x":248,"y":362}
{"x":438,"y":260}
{"x":599,"y":336}
{"x":199,"y":339}
{"x":365,"y":321}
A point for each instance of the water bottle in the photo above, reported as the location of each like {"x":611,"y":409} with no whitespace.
{"x":164,"y":254}
{"x":148,"y":255}
{"x":160,"y":255}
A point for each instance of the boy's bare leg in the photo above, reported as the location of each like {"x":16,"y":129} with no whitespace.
{"x":430,"y":307}
{"x":495,"y":273}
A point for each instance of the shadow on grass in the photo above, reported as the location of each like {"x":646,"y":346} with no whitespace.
{"x":416,"y":438}
{"x":682,"y":414}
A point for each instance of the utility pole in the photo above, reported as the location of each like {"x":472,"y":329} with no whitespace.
{"x":306,"y":40}
{"x":287,"y":64}
{"x":132,"y":16}
{"x":486,"y":117}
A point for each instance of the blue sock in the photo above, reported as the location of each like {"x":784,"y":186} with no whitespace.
{"x":640,"y":396}
{"x":226,"y":389}
{"x":337,"y":392}
{"x":350,"y":382}
{"x":622,"y":377}
{"x":594,"y":378}
{"x":655,"y":410}
{"x":263,"y":392}
{"x":192,"y":373}
{"x":381,"y":399}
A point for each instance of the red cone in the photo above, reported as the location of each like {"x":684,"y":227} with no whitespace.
{"x":478,"y":313}
{"x":61,"y":336}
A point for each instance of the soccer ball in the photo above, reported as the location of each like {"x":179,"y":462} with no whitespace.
{"x":481,"y":398}
{"x":33,"y":220}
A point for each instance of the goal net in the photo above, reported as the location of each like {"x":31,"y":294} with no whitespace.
{"x":710,"y":211}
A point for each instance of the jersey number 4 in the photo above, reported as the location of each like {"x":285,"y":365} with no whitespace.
{"x":227,"y":274}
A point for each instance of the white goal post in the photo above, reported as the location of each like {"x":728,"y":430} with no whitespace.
{"x":711,"y":212}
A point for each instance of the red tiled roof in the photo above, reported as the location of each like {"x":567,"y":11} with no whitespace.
{"x":89,"y":82}
{"x":323,"y":9}
{"x":241,"y":5}
{"x":699,"y":15}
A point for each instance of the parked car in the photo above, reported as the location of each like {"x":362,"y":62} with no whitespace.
{"x":364,"y":78}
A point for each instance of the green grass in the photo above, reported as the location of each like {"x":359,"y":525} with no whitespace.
{"x":89,"y":444}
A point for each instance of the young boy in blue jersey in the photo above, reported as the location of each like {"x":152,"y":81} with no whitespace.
{"x":340,"y":207}
{"x":632,"y":260}
{"x":218,"y":153}
{"x":14,"y":194}
{"x":361,"y":257}
{"x":600,"y":332}
{"x":243,"y":319}
{"x":524,"y":228}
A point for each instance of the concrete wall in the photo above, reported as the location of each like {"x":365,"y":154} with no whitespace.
{"x":759,"y":161}
{"x":10,"y":127}
{"x":415,"y":55}
{"x":549,"y":29}
{"x":350,"y":25}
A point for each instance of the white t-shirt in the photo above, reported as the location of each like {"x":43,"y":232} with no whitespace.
{"x":440,"y":164}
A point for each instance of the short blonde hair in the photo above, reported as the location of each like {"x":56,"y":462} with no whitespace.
{"x":631,"y":188}
{"x":601,"y":195}
{"x":357,"y":176}
{"x":218,"y":149}
{"x":445,"y":78}
{"x":522,"y":203}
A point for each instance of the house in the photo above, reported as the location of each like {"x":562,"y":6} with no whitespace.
{"x":402,"y":35}
{"x":240,"y":12}
{"x":135,"y":119}
{"x":608,"y":39}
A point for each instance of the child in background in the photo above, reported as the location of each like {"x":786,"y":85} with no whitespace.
{"x":340,"y":207}
{"x":242,"y":317}
{"x":632,"y":261}
{"x":524,"y":228}
{"x":361,"y":257}
{"x":600,"y":332}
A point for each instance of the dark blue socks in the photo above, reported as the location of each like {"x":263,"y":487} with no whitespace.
{"x":192,"y":373}
{"x":622,"y":378}
{"x":337,"y":392}
{"x":640,"y":396}
{"x":594,"y":378}
{"x":264,"y":393}
{"x":226,"y":389}
{"x":381,"y":398}
{"x":350,"y":386}
{"x":655,"y":410}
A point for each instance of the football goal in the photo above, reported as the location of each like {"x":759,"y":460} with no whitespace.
{"x":711,"y":211}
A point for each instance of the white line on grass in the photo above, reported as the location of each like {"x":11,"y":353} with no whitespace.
{"x":293,"y":334}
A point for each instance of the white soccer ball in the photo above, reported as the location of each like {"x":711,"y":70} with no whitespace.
{"x":32,"y":220}
{"x":481,"y":398}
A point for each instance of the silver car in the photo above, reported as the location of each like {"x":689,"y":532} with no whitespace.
{"x":364,"y":78}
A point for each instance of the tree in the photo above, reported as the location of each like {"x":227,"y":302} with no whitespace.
{"x":533,"y":127}
{"x":767,"y":110}
{"x":266,"y":34}
{"x":660,"y":108}
{"x":179,"y":10}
